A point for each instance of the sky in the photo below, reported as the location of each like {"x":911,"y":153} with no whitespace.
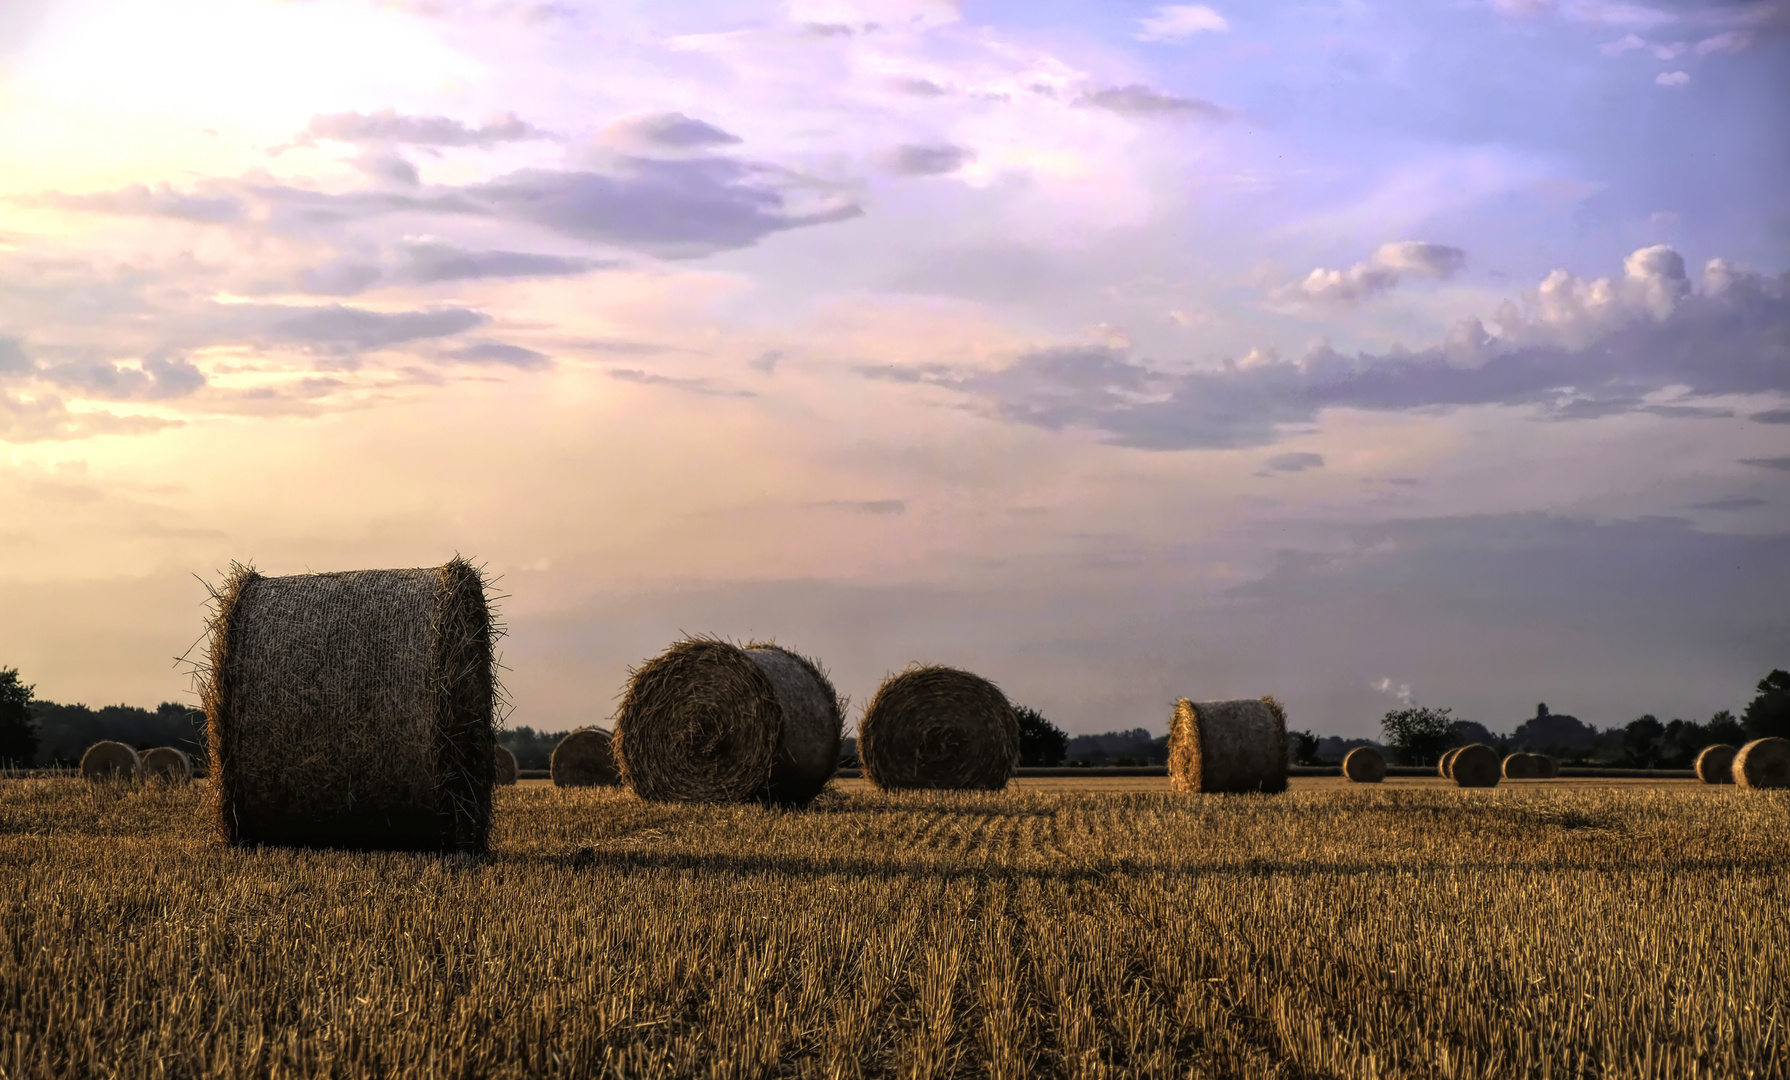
{"x":1355,"y":353}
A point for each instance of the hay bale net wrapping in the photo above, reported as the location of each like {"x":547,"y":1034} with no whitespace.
{"x":1521,"y":767}
{"x":353,"y":709}
{"x":710,"y":721}
{"x":1476,"y":765}
{"x":1228,"y":746}
{"x":584,"y":758}
{"x":503,"y":765}
{"x":168,"y":764}
{"x":107,"y":760}
{"x":1715,"y":764}
{"x":939,"y":727}
{"x":1364,"y":765}
{"x":1763,"y":764}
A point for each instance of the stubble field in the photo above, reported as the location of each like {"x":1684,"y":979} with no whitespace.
{"x":1411,"y":930}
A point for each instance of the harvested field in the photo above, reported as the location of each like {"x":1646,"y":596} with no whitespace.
{"x":1622,"y":931}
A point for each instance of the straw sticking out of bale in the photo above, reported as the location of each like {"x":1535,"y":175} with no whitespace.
{"x":1446,"y":765}
{"x":168,"y":764}
{"x":585,"y":758}
{"x":1365,"y":765}
{"x":1521,"y":767}
{"x":1475,"y":765}
{"x":109,"y":760}
{"x":1231,"y":746}
{"x":938,"y":727}
{"x":709,"y":721}
{"x":1763,"y":763}
{"x":503,"y":765}
{"x":1715,"y":764}
{"x":353,"y":709}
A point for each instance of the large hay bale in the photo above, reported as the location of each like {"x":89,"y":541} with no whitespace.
{"x":503,"y":765}
{"x":1229,"y":746}
{"x":938,"y":727}
{"x":584,"y":758}
{"x":1521,"y":767}
{"x":1763,"y":763}
{"x":709,"y":721}
{"x":353,"y":709}
{"x":1546,"y":767}
{"x":1715,"y":764}
{"x":1364,"y":765}
{"x":1475,"y":765}
{"x":107,"y":760}
{"x":1445,"y":765}
{"x":168,"y":764}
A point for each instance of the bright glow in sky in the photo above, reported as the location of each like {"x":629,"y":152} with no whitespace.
{"x":1118,"y":352}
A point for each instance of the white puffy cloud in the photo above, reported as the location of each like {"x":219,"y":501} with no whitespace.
{"x":1390,"y":264}
{"x":1173,"y":22}
{"x":1673,"y":78}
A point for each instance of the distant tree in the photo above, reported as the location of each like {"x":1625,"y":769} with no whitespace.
{"x":18,"y":727}
{"x":1723,"y":728}
{"x":1304,"y":747}
{"x":1641,"y":741}
{"x":1769,"y":713}
{"x":1041,"y":743}
{"x":1418,"y":735}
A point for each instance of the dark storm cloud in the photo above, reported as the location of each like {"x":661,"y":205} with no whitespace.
{"x":393,"y":128}
{"x":1136,"y":99}
{"x":929,"y":160}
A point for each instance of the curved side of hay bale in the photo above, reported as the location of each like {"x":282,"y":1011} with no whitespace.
{"x":938,"y":727}
{"x":1365,"y":765}
{"x":1475,"y":765}
{"x":1521,"y":767}
{"x":699,"y":723}
{"x":1546,"y":768}
{"x":584,"y":758}
{"x":108,"y":760}
{"x":1763,"y":764}
{"x":813,"y":724}
{"x":503,"y":765}
{"x":169,"y":764}
{"x":1715,"y":764}
{"x":352,"y":709}
{"x":1228,"y":746}
{"x":1445,"y":764}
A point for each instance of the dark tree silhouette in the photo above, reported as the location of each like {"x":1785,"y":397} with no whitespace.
{"x":18,"y":728}
{"x":1041,"y":743}
{"x":1769,"y":713}
{"x":1418,"y":735}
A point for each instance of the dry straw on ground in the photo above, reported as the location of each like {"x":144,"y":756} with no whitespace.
{"x":1228,"y":746}
{"x":1521,"y":767}
{"x":353,"y":709}
{"x":1763,"y":763}
{"x":503,"y":765}
{"x":709,"y":721}
{"x":938,"y":727}
{"x":584,"y":758}
{"x":1446,"y":765}
{"x":168,"y":764}
{"x":107,"y":760}
{"x":1715,"y":764}
{"x":1364,"y":765}
{"x":1475,"y":765}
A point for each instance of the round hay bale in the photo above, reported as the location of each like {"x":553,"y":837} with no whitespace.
{"x":1546,"y":767}
{"x":1229,"y":746}
{"x":1763,"y":763}
{"x":584,"y":758}
{"x":938,"y":727}
{"x":503,"y":765}
{"x":1475,"y":765}
{"x":1365,"y":765}
{"x":1445,"y":766}
{"x":168,"y":764}
{"x":107,"y":760}
{"x":353,"y":709}
{"x":1715,"y":764}
{"x":709,"y":721}
{"x":1521,"y":767}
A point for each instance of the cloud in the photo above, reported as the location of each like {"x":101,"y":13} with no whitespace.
{"x":1173,"y":22}
{"x":1781,"y":464}
{"x":1728,"y":41}
{"x":692,"y":386}
{"x":935,"y":160}
{"x":341,"y":326}
{"x":1390,"y":264}
{"x":432,"y":261}
{"x":667,"y":131}
{"x":1673,"y":78}
{"x":391,"y":127}
{"x":1136,"y":99}
{"x":766,"y":361}
{"x":154,"y":378}
{"x":141,"y":200}
{"x":1730,"y":502}
{"x":1292,"y":463}
{"x":498,"y":352}
{"x":918,"y":87}
{"x":1771,"y":416}
{"x":1621,"y":45}
{"x":874,"y":507}
{"x":47,"y":419}
{"x":1401,"y":691}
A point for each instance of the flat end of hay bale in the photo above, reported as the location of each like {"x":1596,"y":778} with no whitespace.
{"x":699,"y":723}
{"x":503,"y":765}
{"x":940,"y":728}
{"x":1364,"y":765}
{"x":1763,"y":764}
{"x":1715,"y":764}
{"x":1521,"y":767}
{"x":110,"y":761}
{"x":1475,"y":766}
{"x":168,"y":764}
{"x":1228,"y":746}
{"x":1445,"y":764}
{"x":584,"y":758}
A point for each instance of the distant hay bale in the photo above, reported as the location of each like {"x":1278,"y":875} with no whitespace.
{"x":938,"y":727}
{"x":168,"y":764}
{"x":1521,"y":767}
{"x":1365,"y":765}
{"x":584,"y":758}
{"x":1715,"y":764}
{"x":503,"y":765}
{"x":1546,"y":767}
{"x":1475,"y":765}
{"x":107,"y":760}
{"x":1763,"y":763}
{"x":353,"y":709}
{"x":1446,"y":765}
{"x":1228,"y":746}
{"x":709,"y":721}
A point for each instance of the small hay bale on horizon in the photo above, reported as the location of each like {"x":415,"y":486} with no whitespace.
{"x":353,"y":709}
{"x":1715,"y":764}
{"x":1521,"y":766}
{"x":710,"y":721}
{"x":584,"y":758}
{"x":168,"y":764}
{"x":1763,"y":764}
{"x":1475,"y":766}
{"x":935,"y":727}
{"x":1364,"y":765}
{"x":1228,"y":746}
{"x":503,"y":765}
{"x":1546,"y":767}
{"x":113,"y":761}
